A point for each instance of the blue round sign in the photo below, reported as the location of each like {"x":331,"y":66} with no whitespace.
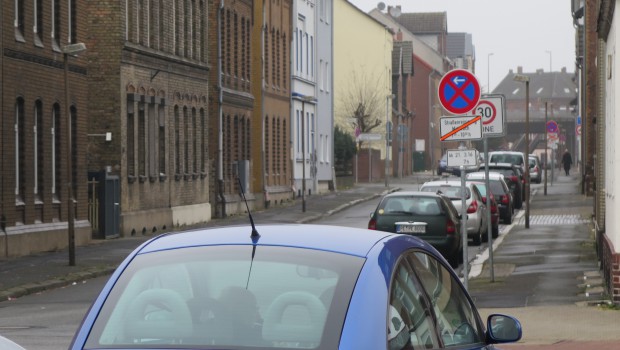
{"x":459,"y":91}
{"x":552,"y":126}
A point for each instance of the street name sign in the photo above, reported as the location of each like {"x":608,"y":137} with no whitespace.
{"x":370,"y":137}
{"x":462,"y":128}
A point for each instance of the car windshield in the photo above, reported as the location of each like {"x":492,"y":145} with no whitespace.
{"x":228,"y":296}
{"x":415,"y":205}
{"x":452,"y":192}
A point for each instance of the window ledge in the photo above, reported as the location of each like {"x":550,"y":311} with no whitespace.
{"x":131,"y":179}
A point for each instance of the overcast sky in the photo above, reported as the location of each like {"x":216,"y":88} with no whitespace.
{"x":517,"y":32}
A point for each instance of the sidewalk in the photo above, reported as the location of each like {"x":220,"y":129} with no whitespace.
{"x":547,"y":275}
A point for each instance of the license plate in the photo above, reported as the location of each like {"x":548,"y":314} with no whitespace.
{"x":410,"y":228}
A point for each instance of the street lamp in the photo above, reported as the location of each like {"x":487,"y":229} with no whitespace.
{"x":525,"y":79}
{"x":73,"y":50}
{"x":387,"y":134}
{"x":303,"y":99}
{"x":489,"y":72}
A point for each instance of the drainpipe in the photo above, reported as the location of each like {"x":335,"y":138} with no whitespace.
{"x":220,"y":134}
{"x":431,"y":110}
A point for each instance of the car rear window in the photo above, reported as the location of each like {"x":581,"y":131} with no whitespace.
{"x":496,"y":187}
{"x":229,"y":296}
{"x":411,"y":205}
{"x":451,"y":192}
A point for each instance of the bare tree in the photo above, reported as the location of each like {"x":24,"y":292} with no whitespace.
{"x":362,"y":105}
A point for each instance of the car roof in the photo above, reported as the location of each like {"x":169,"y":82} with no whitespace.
{"x":482,"y":175}
{"x":451,"y":183}
{"x":502,"y":165}
{"x":352,"y":241}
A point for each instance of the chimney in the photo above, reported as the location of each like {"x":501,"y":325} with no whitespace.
{"x":539,"y":71}
{"x":399,"y":35}
{"x":563,"y":69}
{"x":519,"y":70}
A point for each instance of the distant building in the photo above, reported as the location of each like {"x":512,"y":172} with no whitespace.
{"x":553,"y":97}
{"x":460,"y":49}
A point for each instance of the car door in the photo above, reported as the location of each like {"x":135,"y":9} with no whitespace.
{"x":429,"y":309}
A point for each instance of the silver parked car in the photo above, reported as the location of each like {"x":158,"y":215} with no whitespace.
{"x":475,"y":207}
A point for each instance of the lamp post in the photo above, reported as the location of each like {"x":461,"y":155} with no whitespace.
{"x":72,"y":49}
{"x":387,"y":134}
{"x":303,"y":100}
{"x":525,"y":79}
{"x":489,"y":72}
{"x":550,"y":60}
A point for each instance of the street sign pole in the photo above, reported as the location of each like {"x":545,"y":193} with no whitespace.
{"x":464,"y":222}
{"x":487,"y":186}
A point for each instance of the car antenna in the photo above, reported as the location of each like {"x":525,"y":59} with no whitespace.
{"x":255,"y":236}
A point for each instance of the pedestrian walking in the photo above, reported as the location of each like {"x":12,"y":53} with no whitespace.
{"x":567,"y":161}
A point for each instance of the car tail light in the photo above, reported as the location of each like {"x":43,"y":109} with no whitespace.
{"x":493,"y":208}
{"x":504,"y":199}
{"x":372,"y":224}
{"x":484,"y":200}
{"x":473,"y":207}
{"x":450,"y":227}
{"x":514,"y":179}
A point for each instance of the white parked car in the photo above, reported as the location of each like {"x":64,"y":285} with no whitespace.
{"x":475,"y":207}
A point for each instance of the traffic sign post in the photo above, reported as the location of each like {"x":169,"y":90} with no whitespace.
{"x":459,"y":91}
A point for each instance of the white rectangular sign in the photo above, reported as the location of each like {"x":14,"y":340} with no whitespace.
{"x":448,"y":124}
{"x":491,"y":109}
{"x":370,"y":137}
{"x":462,"y":157}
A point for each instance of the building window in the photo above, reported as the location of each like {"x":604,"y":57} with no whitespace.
{"x":161,"y":111}
{"x":177,"y":140}
{"x":248,"y":63}
{"x":38,"y":21}
{"x":187,"y":30}
{"x":56,"y":150}
{"x":267,"y":138}
{"x":236,"y":46}
{"x":275,"y":57}
{"x":298,"y":132}
{"x":19,"y":20}
{"x":160,"y":26}
{"x":284,"y":147}
{"x":72,"y":21}
{"x":142,"y":139}
{"x":131,"y":137}
{"x":285,"y":65}
{"x":203,"y":141}
{"x":195,"y":140}
{"x":39,"y":156}
{"x":227,"y":55}
{"x":56,"y":23}
{"x":186,"y":141}
{"x":20,"y":148}
{"x":266,"y":48}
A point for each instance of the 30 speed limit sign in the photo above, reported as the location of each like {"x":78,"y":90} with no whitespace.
{"x":491,"y":109}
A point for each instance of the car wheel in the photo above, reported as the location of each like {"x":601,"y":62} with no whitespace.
{"x":453,"y":260}
{"x":478,"y":238}
{"x":508,"y":218}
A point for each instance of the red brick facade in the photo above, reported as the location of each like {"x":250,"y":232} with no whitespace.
{"x":35,"y":126}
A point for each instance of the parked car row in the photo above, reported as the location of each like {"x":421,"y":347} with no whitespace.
{"x":435,"y":212}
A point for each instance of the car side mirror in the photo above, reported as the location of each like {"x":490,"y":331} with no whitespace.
{"x":503,"y":329}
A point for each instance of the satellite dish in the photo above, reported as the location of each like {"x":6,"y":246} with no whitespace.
{"x":381,"y":6}
{"x":395,"y":11}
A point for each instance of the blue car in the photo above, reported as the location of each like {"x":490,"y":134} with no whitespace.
{"x":287,"y":287}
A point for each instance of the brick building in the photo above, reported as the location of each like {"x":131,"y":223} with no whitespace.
{"x":35,"y":124}
{"x":148,"y":86}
